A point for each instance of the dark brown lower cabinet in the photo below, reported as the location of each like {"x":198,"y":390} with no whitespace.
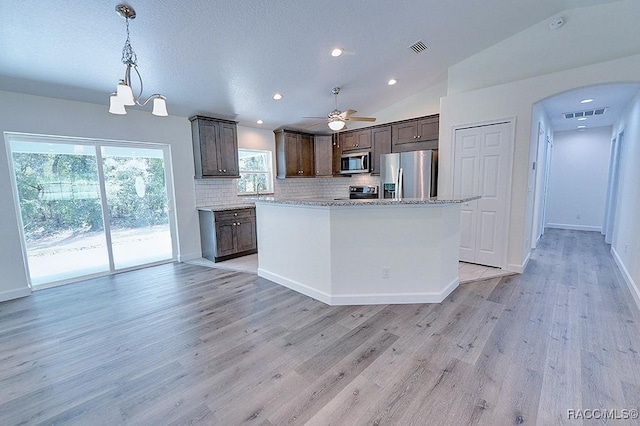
{"x":227,"y":234}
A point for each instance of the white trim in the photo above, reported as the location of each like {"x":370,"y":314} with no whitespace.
{"x":190,"y":256}
{"x":519,"y":269}
{"x":633,"y":288}
{"x":574,"y":227}
{"x":14,"y":294}
{"x":296,"y":286}
{"x":361,"y":299}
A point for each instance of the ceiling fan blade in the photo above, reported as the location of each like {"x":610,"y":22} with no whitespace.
{"x":347,"y":113}
{"x":314,"y":125}
{"x":360,"y":119}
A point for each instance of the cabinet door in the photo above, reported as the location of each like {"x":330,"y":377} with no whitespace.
{"x":323,"y":155}
{"x":381,"y":138}
{"x":428,"y":129}
{"x":307,"y":163}
{"x":337,"y":152}
{"x":208,"y":134}
{"x":405,"y":132}
{"x":349,"y":141}
{"x":245,"y":230}
{"x":224,"y":238}
{"x":363,"y":139}
{"x":292,"y":155}
{"x":228,"y":150}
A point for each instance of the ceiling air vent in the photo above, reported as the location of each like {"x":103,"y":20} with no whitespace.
{"x":586,"y":113}
{"x":418,"y":46}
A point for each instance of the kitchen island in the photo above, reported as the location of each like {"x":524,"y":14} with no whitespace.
{"x":359,"y":252}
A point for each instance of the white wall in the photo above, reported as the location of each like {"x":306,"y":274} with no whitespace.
{"x":578,"y":179}
{"x":626,"y":234}
{"x":47,"y":116}
{"x":541,"y":131}
{"x":516,"y":99}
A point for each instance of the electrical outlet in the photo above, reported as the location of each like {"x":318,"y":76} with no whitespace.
{"x":386,"y":272}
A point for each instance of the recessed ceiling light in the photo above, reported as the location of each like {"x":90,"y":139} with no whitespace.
{"x":259,"y":121}
{"x":277,"y":96}
{"x":336,"y":52}
{"x":582,"y":118}
{"x":586,"y":101}
{"x":392,"y":82}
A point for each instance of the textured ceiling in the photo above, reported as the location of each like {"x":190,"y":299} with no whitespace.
{"x":227,"y":58}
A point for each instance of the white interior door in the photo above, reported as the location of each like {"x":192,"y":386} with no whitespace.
{"x":467,"y":182}
{"x":482,"y":163}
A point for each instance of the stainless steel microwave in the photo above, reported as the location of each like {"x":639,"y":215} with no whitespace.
{"x":357,"y":162}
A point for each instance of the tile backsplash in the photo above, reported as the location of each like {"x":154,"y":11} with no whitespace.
{"x":223,"y":191}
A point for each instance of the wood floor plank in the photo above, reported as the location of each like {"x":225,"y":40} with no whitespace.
{"x":186,"y":344}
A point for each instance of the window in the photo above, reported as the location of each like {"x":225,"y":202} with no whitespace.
{"x":256,"y":173}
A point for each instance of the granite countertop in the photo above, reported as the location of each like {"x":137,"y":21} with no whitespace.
{"x":321,"y":202}
{"x":221,"y":208}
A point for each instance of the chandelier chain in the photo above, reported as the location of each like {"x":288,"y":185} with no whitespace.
{"x":128,"y":54}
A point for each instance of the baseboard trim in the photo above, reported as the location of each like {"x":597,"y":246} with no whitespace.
{"x":361,"y":299}
{"x":574,"y":227}
{"x":296,"y":286}
{"x":188,"y":257}
{"x":633,"y":288}
{"x":519,"y":269}
{"x":14,"y":294}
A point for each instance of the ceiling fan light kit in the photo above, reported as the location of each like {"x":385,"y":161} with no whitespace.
{"x":336,"y":119}
{"x":124,"y":91}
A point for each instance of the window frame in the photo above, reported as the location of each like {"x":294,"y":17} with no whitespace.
{"x":268,"y":172}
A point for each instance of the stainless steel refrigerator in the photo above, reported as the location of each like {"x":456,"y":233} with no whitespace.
{"x":409,"y":174}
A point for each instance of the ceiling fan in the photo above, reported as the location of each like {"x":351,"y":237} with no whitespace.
{"x":336,"y":119}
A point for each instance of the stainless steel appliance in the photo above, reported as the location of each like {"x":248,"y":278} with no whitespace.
{"x":357,"y":162}
{"x":409,"y":174}
{"x":363,"y":192}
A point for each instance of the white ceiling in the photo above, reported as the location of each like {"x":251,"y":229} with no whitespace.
{"x":613,"y":97}
{"x":228,"y":58}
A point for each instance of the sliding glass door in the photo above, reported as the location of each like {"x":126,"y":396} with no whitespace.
{"x":136,"y":196}
{"x":90,"y":207}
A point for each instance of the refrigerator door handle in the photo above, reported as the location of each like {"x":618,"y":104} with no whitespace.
{"x":399,"y":184}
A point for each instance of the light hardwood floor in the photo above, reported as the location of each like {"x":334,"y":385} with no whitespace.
{"x":185,"y":344}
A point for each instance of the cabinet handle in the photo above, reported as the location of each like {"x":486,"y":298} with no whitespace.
{"x":415,"y":137}
{"x":419,"y":136}
{"x":224,"y":170}
{"x":219,"y":170}
{"x":235,"y":214}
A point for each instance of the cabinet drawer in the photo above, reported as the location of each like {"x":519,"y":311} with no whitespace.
{"x":234,"y":214}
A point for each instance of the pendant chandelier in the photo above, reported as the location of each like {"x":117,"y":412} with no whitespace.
{"x":124,"y":91}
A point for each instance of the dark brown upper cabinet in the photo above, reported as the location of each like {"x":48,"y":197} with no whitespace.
{"x":417,"y":134}
{"x":323,"y":145}
{"x":215,"y":147}
{"x":294,"y":154}
{"x":381,"y":138}
{"x":356,"y":140}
